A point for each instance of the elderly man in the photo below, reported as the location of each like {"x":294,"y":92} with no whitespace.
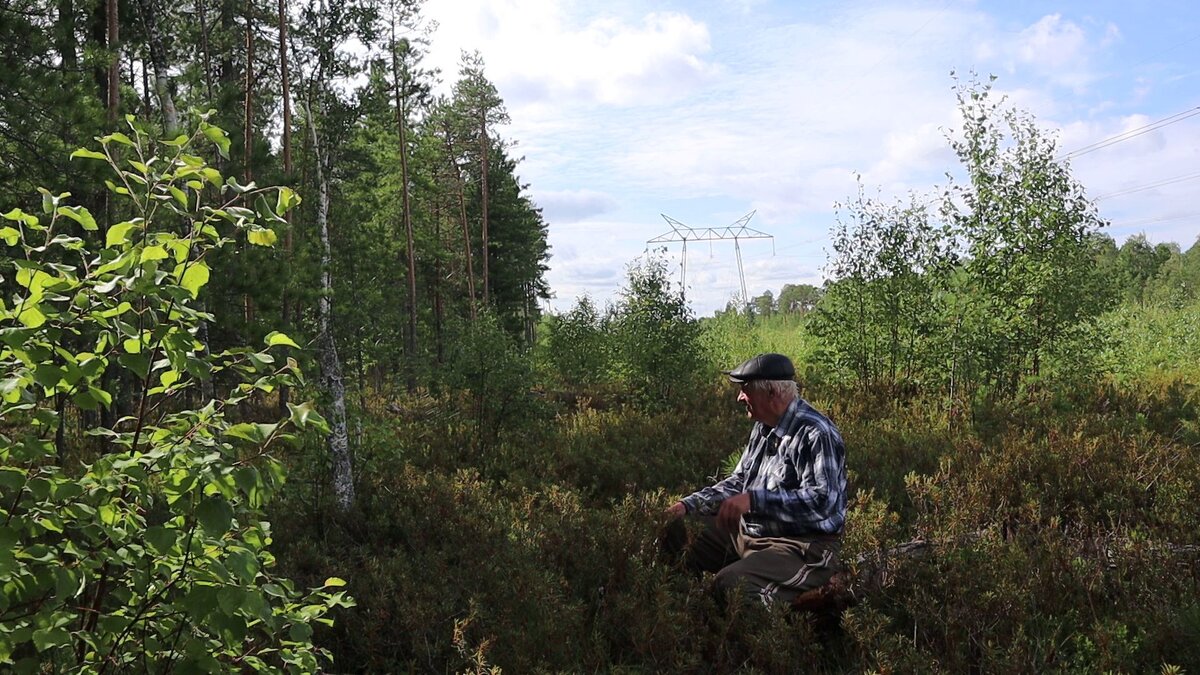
{"x":773,"y":527}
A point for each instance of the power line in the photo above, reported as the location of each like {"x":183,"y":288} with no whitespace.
{"x":1150,"y":221}
{"x":1149,"y":186}
{"x":1132,"y":133}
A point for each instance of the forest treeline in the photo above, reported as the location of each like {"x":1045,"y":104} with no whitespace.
{"x":278,"y":395}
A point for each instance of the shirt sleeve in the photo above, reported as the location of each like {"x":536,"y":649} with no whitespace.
{"x":814,"y":502}
{"x":707,"y":501}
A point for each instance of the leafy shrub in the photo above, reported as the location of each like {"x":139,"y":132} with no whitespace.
{"x":655,"y":337}
{"x":154,"y":555}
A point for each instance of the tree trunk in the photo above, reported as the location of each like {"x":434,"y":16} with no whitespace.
{"x":98,"y":38}
{"x":331,"y":368}
{"x":285,"y":82}
{"x":114,"y":67}
{"x":462,"y":208}
{"x":65,"y":36}
{"x":158,"y":56}
{"x":462,"y":213}
{"x":248,"y":105}
{"x":484,"y":142}
{"x":401,"y":94}
{"x":204,"y":49}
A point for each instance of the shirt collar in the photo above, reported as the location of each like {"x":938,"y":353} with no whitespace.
{"x":786,"y":420}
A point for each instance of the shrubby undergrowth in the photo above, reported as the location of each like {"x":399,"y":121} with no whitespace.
{"x":1060,"y":523}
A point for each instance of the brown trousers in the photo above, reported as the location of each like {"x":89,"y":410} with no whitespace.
{"x":766,"y":569}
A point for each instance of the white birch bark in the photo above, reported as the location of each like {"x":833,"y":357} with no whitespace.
{"x":331,"y":367}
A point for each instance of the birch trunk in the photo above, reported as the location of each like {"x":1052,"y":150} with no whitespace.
{"x":285,"y":81}
{"x":331,"y":367}
{"x":158,"y":56}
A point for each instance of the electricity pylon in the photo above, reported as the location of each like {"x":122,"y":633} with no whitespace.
{"x":736,"y":231}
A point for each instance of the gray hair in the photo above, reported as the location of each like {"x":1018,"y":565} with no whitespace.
{"x":785,"y":389}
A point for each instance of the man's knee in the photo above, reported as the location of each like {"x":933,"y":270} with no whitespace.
{"x":731,"y":577}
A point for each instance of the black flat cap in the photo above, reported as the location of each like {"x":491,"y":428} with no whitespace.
{"x":763,"y":367}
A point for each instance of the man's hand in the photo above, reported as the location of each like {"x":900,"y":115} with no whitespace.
{"x":732,"y":509}
{"x":677,"y":510}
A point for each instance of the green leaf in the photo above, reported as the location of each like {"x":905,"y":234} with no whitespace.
{"x":211,"y":175}
{"x":334,"y":582}
{"x":276,"y":338}
{"x":118,"y":137}
{"x":261,"y":236}
{"x":243,"y":564}
{"x":195,"y":275}
{"x":176,"y":142}
{"x":168,"y":377}
{"x":138,"y":363}
{"x":19,"y":215}
{"x":68,"y":583}
{"x":31,"y":315}
{"x":162,"y":539}
{"x":286,"y":200}
{"x":109,"y":515}
{"x":300,"y":632}
{"x":249,"y":431}
{"x":117,"y":234}
{"x":215,"y":515}
{"x":179,"y":195}
{"x":299,"y":414}
{"x":47,"y":639}
{"x":10,"y":235}
{"x":154,"y":253}
{"x":50,"y":525}
{"x":48,"y":375}
{"x":218,"y":137}
{"x":11,"y":478}
{"x":80,"y":215}
{"x":89,"y":154}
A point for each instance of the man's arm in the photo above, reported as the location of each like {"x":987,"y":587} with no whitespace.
{"x":707,"y":501}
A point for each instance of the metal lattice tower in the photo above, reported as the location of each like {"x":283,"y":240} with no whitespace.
{"x":738,"y":230}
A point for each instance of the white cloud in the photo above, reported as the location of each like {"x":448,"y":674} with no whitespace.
{"x":561,"y":207}
{"x":1059,"y":51}
{"x":1052,"y":43}
{"x":536,"y":53}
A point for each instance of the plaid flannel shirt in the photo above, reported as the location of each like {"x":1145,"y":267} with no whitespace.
{"x":795,"y":474}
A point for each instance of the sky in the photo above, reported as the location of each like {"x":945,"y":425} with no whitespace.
{"x":709,"y":110}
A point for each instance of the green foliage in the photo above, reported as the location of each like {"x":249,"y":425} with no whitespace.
{"x":646,"y":349}
{"x":798,"y":298}
{"x":490,"y":370}
{"x":881,"y":317}
{"x":1030,"y":279}
{"x":731,"y":337}
{"x":577,"y":347}
{"x":1152,"y":342}
{"x":155,"y":554}
{"x":1010,"y":282}
{"x":655,"y":337}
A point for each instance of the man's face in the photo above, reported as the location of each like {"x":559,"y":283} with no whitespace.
{"x":757,"y":402}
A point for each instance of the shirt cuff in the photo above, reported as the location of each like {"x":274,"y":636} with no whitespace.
{"x":758,"y":499}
